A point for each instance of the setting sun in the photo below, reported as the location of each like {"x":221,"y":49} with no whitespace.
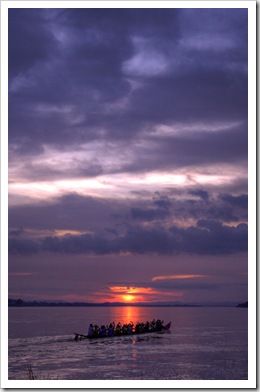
{"x":128,"y":297}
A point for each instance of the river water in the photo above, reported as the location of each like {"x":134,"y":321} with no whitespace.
{"x":203,"y":344}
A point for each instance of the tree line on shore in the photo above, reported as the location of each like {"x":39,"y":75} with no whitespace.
{"x":21,"y":303}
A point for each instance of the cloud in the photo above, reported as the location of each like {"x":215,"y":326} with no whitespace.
{"x":30,"y":41}
{"x":23,"y":246}
{"x":174,"y":287}
{"x":93,"y":214}
{"x":239,"y":200}
{"x":159,"y":223}
{"x":208,"y":237}
{"x":189,"y":285}
{"x":174,"y":277}
{"x":163,"y":202}
{"x":200,"y":193}
{"x":73,"y":69}
{"x":127,"y":141}
{"x":150,"y":214}
{"x":147,"y":61}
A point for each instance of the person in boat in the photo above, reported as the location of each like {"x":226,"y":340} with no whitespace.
{"x":96,"y":331}
{"x":159,"y":325}
{"x":118,"y":329}
{"x":153,"y":325}
{"x":139,"y":327}
{"x":90,"y":330}
{"x":147,"y":326}
{"x":125,"y":329}
{"x":102,"y":331}
{"x":111,"y":329}
{"x":130,"y":328}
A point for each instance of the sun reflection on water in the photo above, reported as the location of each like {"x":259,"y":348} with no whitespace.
{"x":131,"y":313}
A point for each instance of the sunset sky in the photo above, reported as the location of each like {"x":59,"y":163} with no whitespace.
{"x":128,"y":154}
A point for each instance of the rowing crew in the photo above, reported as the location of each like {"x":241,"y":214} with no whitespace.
{"x":125,"y":329}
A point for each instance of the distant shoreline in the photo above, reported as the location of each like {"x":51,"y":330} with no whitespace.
{"x":21,"y":303}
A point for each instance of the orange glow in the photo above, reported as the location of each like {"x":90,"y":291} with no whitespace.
{"x":140,"y":294}
{"x":62,"y":233}
{"x":171,"y":277}
{"x":128,"y":297}
{"x":130,"y":313}
{"x":132,"y":294}
{"x":131,"y":290}
{"x":118,"y":289}
{"x":21,"y":273}
{"x":141,"y":290}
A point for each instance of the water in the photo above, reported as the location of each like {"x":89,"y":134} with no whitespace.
{"x":203,"y":344}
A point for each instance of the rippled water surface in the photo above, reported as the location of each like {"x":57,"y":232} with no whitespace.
{"x":203,"y":344}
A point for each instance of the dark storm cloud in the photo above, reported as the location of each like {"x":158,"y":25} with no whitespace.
{"x":111,"y":227}
{"x":240,"y":200}
{"x":191,"y":149}
{"x":163,"y":202}
{"x":148,"y":214}
{"x":198,"y":204}
{"x":23,"y":246}
{"x":201,"y":193}
{"x":115,"y":76}
{"x":69,"y":212}
{"x":128,"y":148}
{"x":198,"y":148}
{"x":75,"y":212}
{"x":41,"y":172}
{"x":208,"y":237}
{"x":209,"y":207}
{"x":67,"y":65}
{"x":200,"y":94}
{"x":71,"y":74}
{"x":30,"y":41}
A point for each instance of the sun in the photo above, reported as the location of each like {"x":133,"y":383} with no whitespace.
{"x":128,"y":297}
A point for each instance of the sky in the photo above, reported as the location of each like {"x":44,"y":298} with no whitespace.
{"x":128,"y":154}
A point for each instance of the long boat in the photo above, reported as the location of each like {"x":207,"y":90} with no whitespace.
{"x":79,"y":336}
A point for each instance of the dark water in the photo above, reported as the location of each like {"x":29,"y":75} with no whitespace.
{"x":203,"y":344}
